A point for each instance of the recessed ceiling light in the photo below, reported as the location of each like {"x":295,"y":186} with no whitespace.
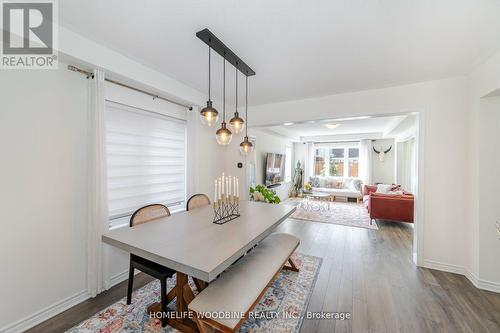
{"x":287,"y":124}
{"x":332,"y":126}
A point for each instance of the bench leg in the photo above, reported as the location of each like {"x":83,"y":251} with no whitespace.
{"x":200,"y":285}
{"x":292,"y":266}
{"x":204,"y":327}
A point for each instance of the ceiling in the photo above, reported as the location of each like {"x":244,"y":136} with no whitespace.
{"x":374,"y":126}
{"x":298,"y":48}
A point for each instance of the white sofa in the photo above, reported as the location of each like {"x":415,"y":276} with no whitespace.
{"x":351,"y":187}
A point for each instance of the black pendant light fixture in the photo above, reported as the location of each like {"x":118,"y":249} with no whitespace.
{"x":223,"y":135}
{"x":209,"y":115}
{"x":237,"y":124}
{"x":246,"y":147}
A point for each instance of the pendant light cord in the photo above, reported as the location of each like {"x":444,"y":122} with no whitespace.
{"x":224,"y":90}
{"x":236,"y":86}
{"x":209,"y":71}
{"x":246,"y":105}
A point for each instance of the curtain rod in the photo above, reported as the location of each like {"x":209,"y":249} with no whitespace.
{"x":155,"y":96}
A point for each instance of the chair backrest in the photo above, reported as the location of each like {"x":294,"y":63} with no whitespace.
{"x":197,"y":200}
{"x":149,"y":213}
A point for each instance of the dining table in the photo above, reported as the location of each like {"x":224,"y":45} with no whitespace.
{"x":192,"y":245}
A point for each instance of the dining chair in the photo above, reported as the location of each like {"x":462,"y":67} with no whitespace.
{"x":144,"y":215}
{"x":197,"y":201}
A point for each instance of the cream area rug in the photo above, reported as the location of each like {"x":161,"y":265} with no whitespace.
{"x":343,"y":213}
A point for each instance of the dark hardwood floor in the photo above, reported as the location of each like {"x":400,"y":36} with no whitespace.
{"x":368,"y":273}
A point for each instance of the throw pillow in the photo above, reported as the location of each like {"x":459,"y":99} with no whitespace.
{"x":314,"y":181}
{"x":356,"y":185}
{"x":347,"y":183}
{"x":338,"y":184}
{"x":395,"y":192}
{"x":329,"y":184}
{"x":396,"y":188}
{"x":383,"y":188}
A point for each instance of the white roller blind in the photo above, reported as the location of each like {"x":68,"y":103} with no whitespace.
{"x":146,"y":157}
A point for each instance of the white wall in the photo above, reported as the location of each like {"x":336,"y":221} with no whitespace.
{"x":383,"y":171}
{"x":43,"y":197}
{"x":489,"y":183}
{"x":266,"y":142}
{"x":43,"y":137}
{"x":482,"y":250}
{"x":440,"y":216}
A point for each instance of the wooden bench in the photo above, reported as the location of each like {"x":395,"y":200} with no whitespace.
{"x":240,"y":288}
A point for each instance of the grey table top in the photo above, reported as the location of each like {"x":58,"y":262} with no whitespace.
{"x":190,"y":243}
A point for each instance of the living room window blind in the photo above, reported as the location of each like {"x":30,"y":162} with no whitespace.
{"x":146,"y":158}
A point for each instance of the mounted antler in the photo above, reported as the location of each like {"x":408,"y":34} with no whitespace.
{"x":381,"y":154}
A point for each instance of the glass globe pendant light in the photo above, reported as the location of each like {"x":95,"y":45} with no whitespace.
{"x":237,"y":124}
{"x":223,"y":135}
{"x":246,"y":147}
{"x":209,"y":115}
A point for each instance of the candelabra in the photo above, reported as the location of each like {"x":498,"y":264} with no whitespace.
{"x":226,"y":199}
{"x":226,"y":209}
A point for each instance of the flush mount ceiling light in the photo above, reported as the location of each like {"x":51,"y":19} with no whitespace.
{"x":209,"y":115}
{"x":246,"y":147}
{"x":287,"y":124}
{"x":223,"y":135}
{"x":332,"y":126}
{"x":237,"y":124}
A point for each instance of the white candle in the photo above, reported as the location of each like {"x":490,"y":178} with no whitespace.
{"x":234,"y":186}
{"x":223,"y":189}
{"x":238,"y":188}
{"x":227,"y":185}
{"x":230,"y":188}
{"x":219,"y":189}
{"x":215,"y":190}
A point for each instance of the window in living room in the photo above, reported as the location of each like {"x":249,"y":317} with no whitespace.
{"x":336,"y":161}
{"x":319,"y":162}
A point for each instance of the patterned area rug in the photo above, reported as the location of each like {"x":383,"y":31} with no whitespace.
{"x":288,"y":297}
{"x":343,"y":213}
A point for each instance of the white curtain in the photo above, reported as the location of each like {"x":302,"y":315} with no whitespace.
{"x":365,"y":161}
{"x":309,"y":162}
{"x":406,"y":165}
{"x":97,"y":275}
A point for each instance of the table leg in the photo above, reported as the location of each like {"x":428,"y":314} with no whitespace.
{"x":179,"y":318}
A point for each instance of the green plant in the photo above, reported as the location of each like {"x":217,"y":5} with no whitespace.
{"x":262,"y":193}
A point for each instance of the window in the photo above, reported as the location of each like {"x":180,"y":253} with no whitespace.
{"x":288,"y":164}
{"x":146,"y":157}
{"x":319,"y":162}
{"x":336,"y":161}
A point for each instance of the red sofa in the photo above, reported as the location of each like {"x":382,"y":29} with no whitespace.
{"x":387,"y":206}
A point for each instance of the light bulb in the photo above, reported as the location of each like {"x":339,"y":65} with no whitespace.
{"x":223,"y":135}
{"x":209,"y":115}
{"x":237,"y":124}
{"x":246,"y":147}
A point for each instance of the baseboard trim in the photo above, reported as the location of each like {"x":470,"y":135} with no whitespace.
{"x":432,"y":264}
{"x":120,"y":277}
{"x":56,"y":308}
{"x":478,"y":283}
{"x":46,"y":313}
{"x":483,"y":284}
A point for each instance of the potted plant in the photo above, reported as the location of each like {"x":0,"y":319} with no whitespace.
{"x":262,"y":193}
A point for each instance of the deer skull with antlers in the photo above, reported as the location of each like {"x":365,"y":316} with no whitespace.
{"x":381,"y":153}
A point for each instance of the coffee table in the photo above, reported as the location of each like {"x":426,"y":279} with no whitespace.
{"x":316,"y":201}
